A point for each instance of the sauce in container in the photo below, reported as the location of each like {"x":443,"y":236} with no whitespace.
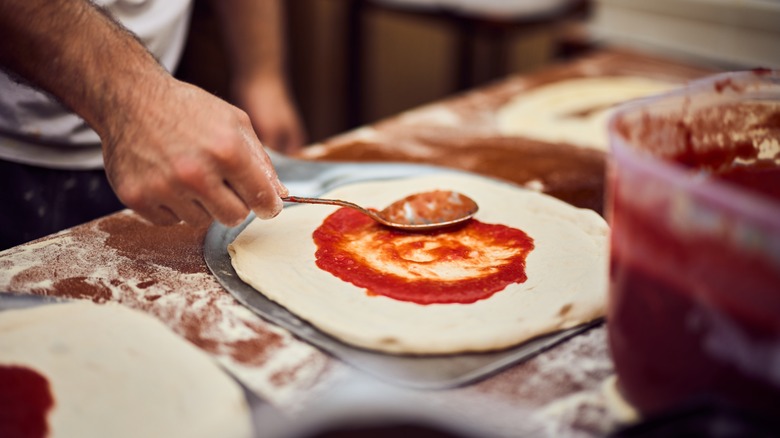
{"x":694,"y":206}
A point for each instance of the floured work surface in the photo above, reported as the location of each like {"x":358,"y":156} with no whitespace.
{"x":564,"y":289}
{"x":535,"y":130}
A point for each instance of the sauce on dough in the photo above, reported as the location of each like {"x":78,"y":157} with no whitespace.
{"x":460,"y":265}
{"x":25,"y":399}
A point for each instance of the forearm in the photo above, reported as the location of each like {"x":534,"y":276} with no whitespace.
{"x":78,"y":54}
{"x":171,"y":151}
{"x":253,"y":34}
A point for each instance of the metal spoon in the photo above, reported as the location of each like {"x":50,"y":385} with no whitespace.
{"x":418,"y":212}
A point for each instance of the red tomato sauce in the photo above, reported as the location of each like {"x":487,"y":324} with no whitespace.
{"x":661,"y":321}
{"x":25,"y":401}
{"x":694,"y":315}
{"x":414,"y":252}
{"x":761,"y":179}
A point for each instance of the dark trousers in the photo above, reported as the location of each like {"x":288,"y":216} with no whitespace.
{"x":35,"y":201}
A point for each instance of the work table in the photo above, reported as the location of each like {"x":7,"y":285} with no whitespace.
{"x":160,"y":270}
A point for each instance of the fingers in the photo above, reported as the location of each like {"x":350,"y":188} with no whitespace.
{"x":256,"y":182}
{"x":160,"y":215}
{"x":194,"y":215}
{"x":195,"y":209}
{"x":190,"y":212}
{"x":267,"y":164}
{"x":236,"y":177}
{"x":199,"y":163}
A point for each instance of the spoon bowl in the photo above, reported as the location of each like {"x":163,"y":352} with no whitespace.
{"x":423,"y":211}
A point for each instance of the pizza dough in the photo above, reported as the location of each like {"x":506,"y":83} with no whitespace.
{"x":573,"y":111}
{"x":566,"y":285}
{"x":116,"y":372}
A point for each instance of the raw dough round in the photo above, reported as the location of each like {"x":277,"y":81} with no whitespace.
{"x":116,"y":372}
{"x":566,"y":285}
{"x":573,"y":111}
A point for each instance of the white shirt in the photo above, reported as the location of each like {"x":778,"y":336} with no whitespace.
{"x":36,"y":129}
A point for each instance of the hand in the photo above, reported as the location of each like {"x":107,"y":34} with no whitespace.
{"x":273,"y":113}
{"x":172,"y":151}
{"x":186,"y":155}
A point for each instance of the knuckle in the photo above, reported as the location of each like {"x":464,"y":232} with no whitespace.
{"x":242,"y":117}
{"x":157,"y":189}
{"x":189,"y":174}
{"x":144,"y":193}
{"x":227,"y":153}
{"x":185,"y":169}
{"x":225,"y":147}
{"x":131,"y":194}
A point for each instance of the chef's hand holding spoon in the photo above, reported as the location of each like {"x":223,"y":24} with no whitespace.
{"x":195,"y":158}
{"x":172,"y":151}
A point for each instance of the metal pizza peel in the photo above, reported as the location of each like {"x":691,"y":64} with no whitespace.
{"x":311,"y":178}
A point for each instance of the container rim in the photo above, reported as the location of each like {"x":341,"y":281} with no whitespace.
{"x":714,"y":191}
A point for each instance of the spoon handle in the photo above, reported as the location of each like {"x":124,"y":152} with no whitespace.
{"x":304,"y":200}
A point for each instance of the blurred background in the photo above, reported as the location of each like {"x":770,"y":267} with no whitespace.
{"x":353,"y":62}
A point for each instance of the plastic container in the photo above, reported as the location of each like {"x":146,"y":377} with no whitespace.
{"x":694,"y":301}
